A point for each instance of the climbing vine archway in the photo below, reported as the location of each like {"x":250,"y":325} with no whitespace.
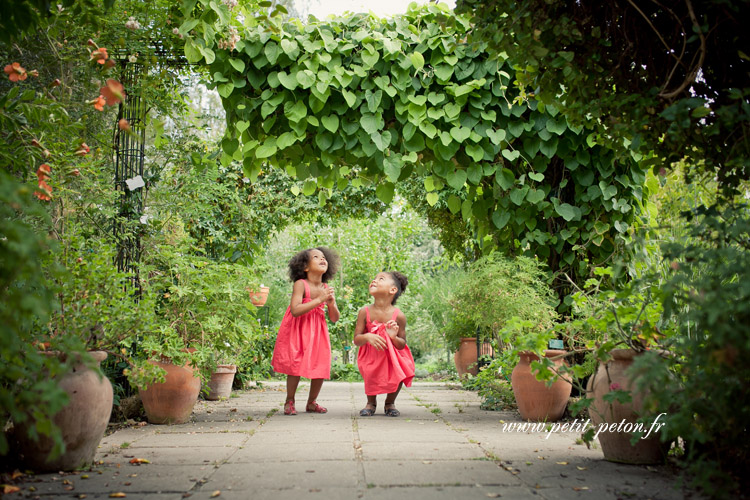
{"x":385,"y":99}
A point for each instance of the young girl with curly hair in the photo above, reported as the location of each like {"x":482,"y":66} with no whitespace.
{"x":303,"y":348}
{"x":384,"y":359}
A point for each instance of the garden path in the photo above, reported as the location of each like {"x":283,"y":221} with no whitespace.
{"x":442,"y":447}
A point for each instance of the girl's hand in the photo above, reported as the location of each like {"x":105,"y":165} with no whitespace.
{"x":391,"y":328}
{"x":376,"y":341}
{"x":329,"y":296}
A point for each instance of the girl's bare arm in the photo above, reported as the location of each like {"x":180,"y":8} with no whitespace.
{"x":297,"y":308}
{"x":361,"y":337}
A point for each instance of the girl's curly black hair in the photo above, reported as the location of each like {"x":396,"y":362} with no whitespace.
{"x":298,"y":263}
{"x":400,"y":281}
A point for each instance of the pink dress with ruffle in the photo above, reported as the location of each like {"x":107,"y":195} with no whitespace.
{"x":303,"y":347}
{"x":384,"y":370}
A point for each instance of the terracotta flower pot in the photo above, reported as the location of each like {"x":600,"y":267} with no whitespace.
{"x":616,"y":445}
{"x":536,"y":401}
{"x":82,"y":422}
{"x":259,"y":297}
{"x":466,"y":357}
{"x":172,"y":401}
{"x":220,"y":385}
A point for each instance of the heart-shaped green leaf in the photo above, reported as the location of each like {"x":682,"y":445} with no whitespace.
{"x":537,"y":176}
{"x":456,"y":179}
{"x":288,"y":81}
{"x":305,"y":79}
{"x":349,"y":97}
{"x":500,"y":219}
{"x":369,"y":122}
{"x":566,"y":211}
{"x":392,"y":167}
{"x":309,"y":187}
{"x":535,"y":196}
{"x":460,"y":134}
{"x":432,"y":198}
{"x":384,"y":192}
{"x":454,"y":204}
{"x":266,"y":149}
{"x":237,"y":64}
{"x":496,"y":136}
{"x":417,"y":60}
{"x":511,"y":155}
{"x":475,"y":151}
{"x":330,"y":122}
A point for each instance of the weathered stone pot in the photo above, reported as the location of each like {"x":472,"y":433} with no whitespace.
{"x":82,"y":421}
{"x":220,"y":384}
{"x":616,"y":443}
{"x":172,"y":401}
{"x":536,"y":401}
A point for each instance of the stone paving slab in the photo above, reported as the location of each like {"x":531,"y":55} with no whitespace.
{"x":256,"y":451}
{"x":474,"y":492}
{"x":422,"y":451}
{"x":442,"y":447}
{"x":278,"y":475}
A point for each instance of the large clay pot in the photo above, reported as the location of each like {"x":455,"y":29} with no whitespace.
{"x":616,"y":445}
{"x":82,"y":421}
{"x":172,"y":401}
{"x":220,"y":384}
{"x":466,"y":357}
{"x":536,"y":401}
{"x":259,"y":297}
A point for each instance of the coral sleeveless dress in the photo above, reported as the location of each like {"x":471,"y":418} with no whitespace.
{"x":303,"y":347}
{"x":384,"y":370}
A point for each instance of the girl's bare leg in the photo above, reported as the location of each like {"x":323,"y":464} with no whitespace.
{"x":292,"y":381}
{"x":315,"y":385}
{"x":390,"y":401}
{"x":372,"y":402}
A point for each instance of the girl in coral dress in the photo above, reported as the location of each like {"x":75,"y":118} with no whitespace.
{"x":384,"y":359}
{"x":303,"y":348}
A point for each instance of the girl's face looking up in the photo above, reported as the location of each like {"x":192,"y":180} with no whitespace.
{"x":382,"y":284}
{"x":316,"y":261}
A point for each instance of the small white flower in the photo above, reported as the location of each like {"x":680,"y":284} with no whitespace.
{"x":176,"y":31}
{"x":132,"y":24}
{"x":133,"y":58}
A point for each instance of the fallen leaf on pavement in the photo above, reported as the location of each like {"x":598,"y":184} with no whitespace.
{"x":561,"y":463}
{"x":580,"y":488}
{"x":7,"y":488}
{"x":138,"y":461}
{"x":119,"y":494}
{"x":580,"y":468}
{"x":215,"y":494}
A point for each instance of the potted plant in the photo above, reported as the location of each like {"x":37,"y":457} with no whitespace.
{"x":98,"y":312}
{"x":510,"y":298}
{"x":219,"y":385}
{"x":629,"y":323}
{"x":615,"y":326}
{"x":205,"y":314}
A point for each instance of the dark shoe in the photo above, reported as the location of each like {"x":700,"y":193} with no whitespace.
{"x":392,"y":412}
{"x":367,"y":412}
